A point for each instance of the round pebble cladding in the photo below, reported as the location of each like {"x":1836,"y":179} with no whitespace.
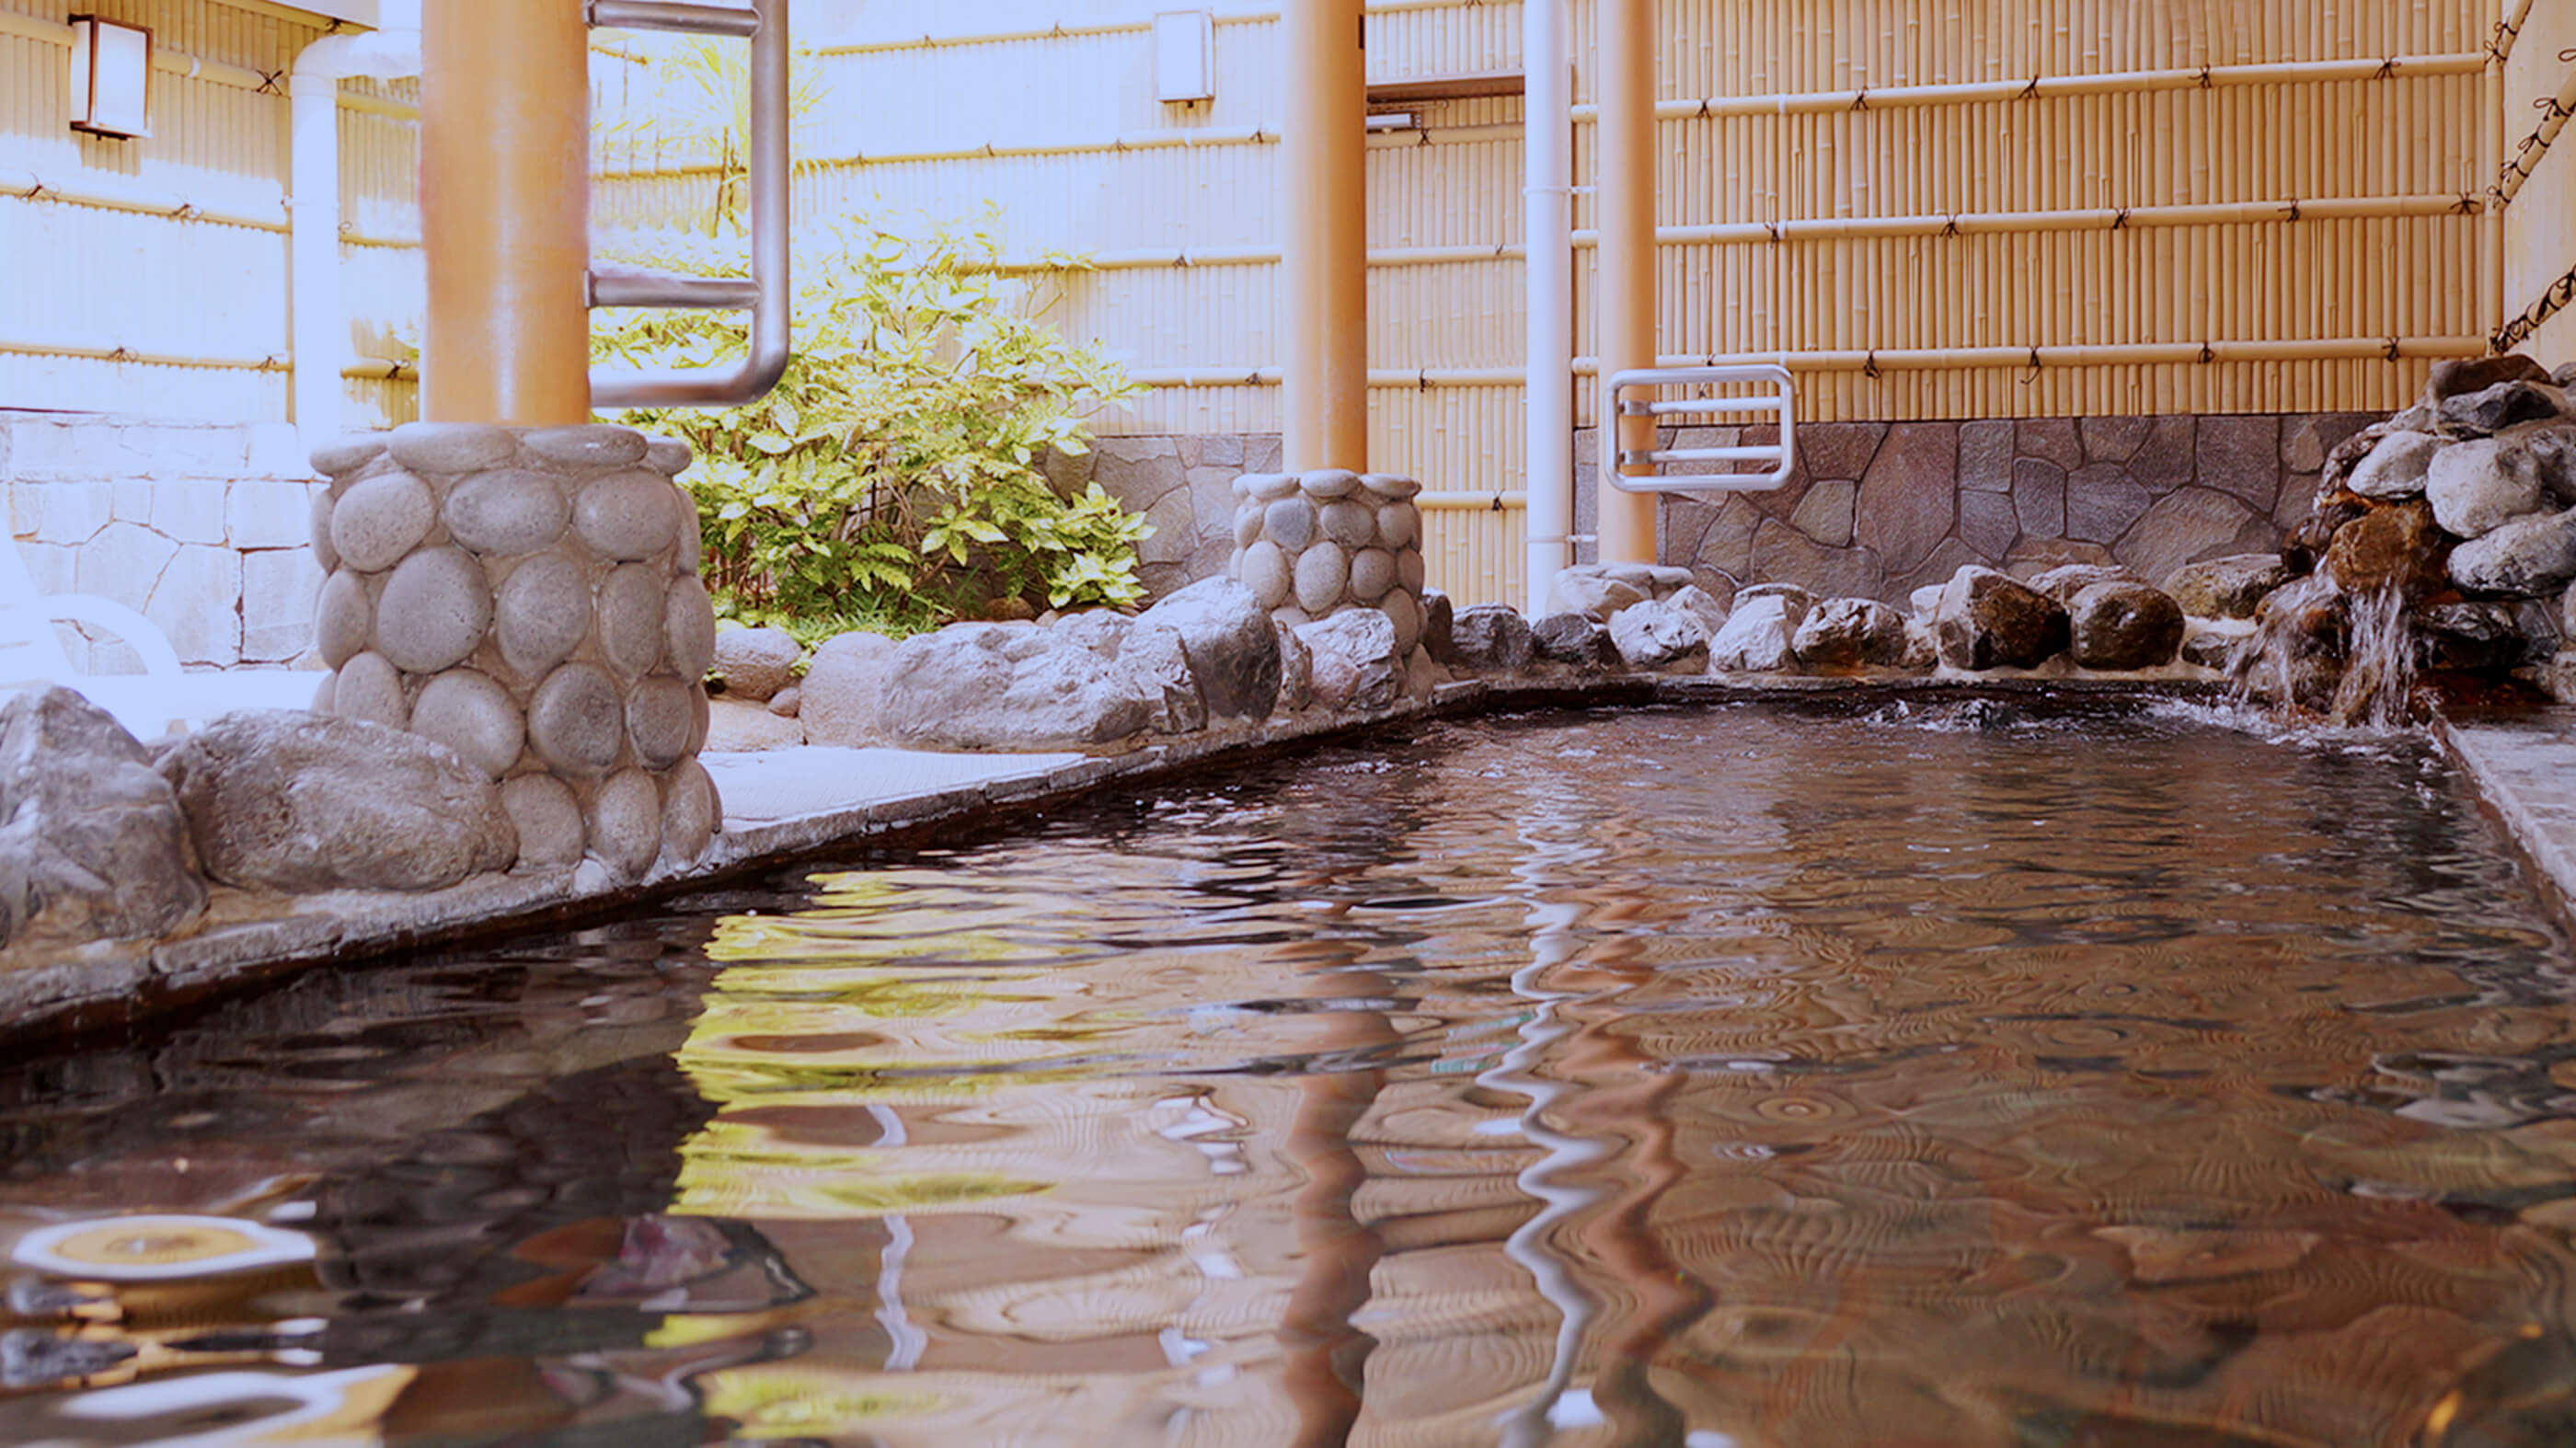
{"x":1313,"y":544}
{"x":529,"y":597}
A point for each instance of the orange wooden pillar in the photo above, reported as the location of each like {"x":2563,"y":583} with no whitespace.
{"x":1624,"y":85}
{"x":505,"y":211}
{"x":1324,"y":395}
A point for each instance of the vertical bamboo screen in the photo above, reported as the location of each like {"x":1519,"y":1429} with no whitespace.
{"x":2171,"y":231}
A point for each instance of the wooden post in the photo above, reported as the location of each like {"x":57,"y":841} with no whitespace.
{"x":505,"y":211}
{"x":1324,"y":395}
{"x":1625,"y":88}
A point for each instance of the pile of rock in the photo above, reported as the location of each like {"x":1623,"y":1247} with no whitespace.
{"x":529,"y":598}
{"x":2458,"y":512}
{"x":1641,"y":619}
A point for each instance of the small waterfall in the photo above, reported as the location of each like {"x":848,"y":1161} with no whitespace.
{"x":2317,"y":651}
{"x":2378,"y":661}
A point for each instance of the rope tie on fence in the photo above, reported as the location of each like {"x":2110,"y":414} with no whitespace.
{"x":2034,"y":367}
{"x":1422,"y":379}
{"x":2121,"y":221}
{"x":1860,"y":99}
{"x":2468,"y":204}
{"x":2512,"y":334}
{"x":268,"y":80}
{"x":2290,"y":212}
{"x":1703,"y":108}
{"x":120,"y":355}
{"x":35,"y":187}
{"x":2208,"y":354}
{"x":2029,"y":92}
{"x":1951,"y":226}
{"x":1772,"y":227}
{"x":2389,"y":349}
{"x":2387,"y":69}
{"x":2208,"y":78}
{"x":1869,"y":364}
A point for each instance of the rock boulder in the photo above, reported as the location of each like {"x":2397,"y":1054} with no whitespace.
{"x":92,"y":842}
{"x":844,"y":690}
{"x":1355,"y":663}
{"x":1654,"y":637}
{"x":1573,"y":640}
{"x":1005,"y":688}
{"x":2478,"y":487}
{"x":1987,"y":620}
{"x":2124,"y":626}
{"x":1850,"y":633}
{"x":2528,"y":557}
{"x":2227,"y":587}
{"x":1760,"y":635}
{"x":1230,"y":644}
{"x":298,"y":803}
{"x":757,"y":662}
{"x":1489,"y":638}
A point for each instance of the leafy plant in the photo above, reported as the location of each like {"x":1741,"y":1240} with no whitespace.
{"x":894,"y":473}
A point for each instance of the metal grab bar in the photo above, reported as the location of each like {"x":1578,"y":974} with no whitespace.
{"x":765,"y":294}
{"x":1778,"y":403}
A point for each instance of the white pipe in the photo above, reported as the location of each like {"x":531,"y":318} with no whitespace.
{"x":317,"y":326}
{"x":1547,"y":209}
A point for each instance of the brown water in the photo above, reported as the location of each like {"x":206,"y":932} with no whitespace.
{"x":1699,"y":1077}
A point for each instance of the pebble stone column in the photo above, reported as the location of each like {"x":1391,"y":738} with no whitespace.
{"x":1313,"y":544}
{"x":529,"y":597}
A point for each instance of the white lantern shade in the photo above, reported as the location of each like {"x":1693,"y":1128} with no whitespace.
{"x":111,"y":78}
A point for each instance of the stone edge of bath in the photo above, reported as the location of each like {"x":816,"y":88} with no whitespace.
{"x":103,"y":984}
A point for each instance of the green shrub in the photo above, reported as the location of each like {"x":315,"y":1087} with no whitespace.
{"x":892,"y":478}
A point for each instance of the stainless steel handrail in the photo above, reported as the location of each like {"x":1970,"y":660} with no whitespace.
{"x":1780,"y":403}
{"x":766,"y":293}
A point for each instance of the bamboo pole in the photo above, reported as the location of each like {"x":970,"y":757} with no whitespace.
{"x":110,"y":193}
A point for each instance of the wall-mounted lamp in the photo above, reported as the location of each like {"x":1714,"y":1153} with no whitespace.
{"x":111,"y":79}
{"x":1185,"y":56}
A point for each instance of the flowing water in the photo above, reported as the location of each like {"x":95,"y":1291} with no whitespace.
{"x":1744,"y":1076}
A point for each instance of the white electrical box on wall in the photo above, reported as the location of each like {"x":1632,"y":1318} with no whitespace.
{"x":1185,"y":55}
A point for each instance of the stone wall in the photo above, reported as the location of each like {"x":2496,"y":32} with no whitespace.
{"x":206,"y":528}
{"x":1877,"y":510}
{"x":1874,"y":510}
{"x":1184,"y":485}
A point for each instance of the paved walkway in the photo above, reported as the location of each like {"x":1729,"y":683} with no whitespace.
{"x":2526,"y":771}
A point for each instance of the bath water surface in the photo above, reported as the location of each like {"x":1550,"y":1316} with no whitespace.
{"x":1739,"y":1076}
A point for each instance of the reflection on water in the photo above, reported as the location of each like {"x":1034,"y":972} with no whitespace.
{"x":1695,"y":1078}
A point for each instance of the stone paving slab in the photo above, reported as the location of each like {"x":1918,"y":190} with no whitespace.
{"x":2526,"y":772}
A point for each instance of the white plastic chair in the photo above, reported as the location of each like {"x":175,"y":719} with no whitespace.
{"x":31,"y":654}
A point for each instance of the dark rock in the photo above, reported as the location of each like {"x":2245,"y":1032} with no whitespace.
{"x":2477,"y":636}
{"x":1227,"y":638}
{"x":92,"y":842}
{"x":2227,"y":587}
{"x":1986,"y":620}
{"x":1574,"y":641}
{"x":2483,"y":414}
{"x":1489,"y":638}
{"x":297,"y":803}
{"x":2066,"y":580}
{"x":1355,"y":663}
{"x":2327,"y":515}
{"x":844,"y":690}
{"x":1850,"y":633}
{"x":2123,"y":626}
{"x":1002,"y":687}
{"x":2392,"y":547}
{"x":2211,"y":648}
{"x":1655,"y":637}
{"x":1439,"y":627}
{"x":2528,"y":556}
{"x":2462,"y":377}
{"x":757,"y":662}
